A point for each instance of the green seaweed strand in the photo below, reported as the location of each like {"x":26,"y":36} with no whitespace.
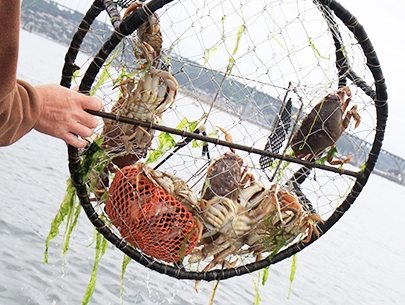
{"x":265,"y":275}
{"x":66,"y":209}
{"x":292,"y":273}
{"x":125,"y":262}
{"x":257,"y":299}
{"x":167,"y":141}
{"x":101,"y":247}
{"x":69,"y":208}
{"x":312,"y":45}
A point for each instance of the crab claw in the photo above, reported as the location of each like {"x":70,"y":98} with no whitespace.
{"x":343,"y":92}
{"x":133,"y":7}
{"x":352,"y":113}
{"x":228,"y":137}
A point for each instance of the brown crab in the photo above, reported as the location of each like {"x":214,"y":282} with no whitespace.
{"x":153,"y":94}
{"x":324,"y":125}
{"x":223,"y":176}
{"x":149,"y":34}
{"x":282,"y":228}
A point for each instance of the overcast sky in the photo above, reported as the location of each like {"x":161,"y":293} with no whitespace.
{"x":384,"y":24}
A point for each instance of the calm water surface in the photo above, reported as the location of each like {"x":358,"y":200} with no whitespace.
{"x":360,"y":261}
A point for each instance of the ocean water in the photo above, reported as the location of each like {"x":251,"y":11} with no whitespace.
{"x":361,"y":260}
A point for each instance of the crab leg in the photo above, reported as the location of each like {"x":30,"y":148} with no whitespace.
{"x":228,"y":137}
{"x":217,"y":212}
{"x":341,"y":93}
{"x":133,"y":7}
{"x":170,"y":88}
{"x":352,"y":113}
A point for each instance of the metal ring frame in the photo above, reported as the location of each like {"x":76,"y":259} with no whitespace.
{"x":329,"y":9}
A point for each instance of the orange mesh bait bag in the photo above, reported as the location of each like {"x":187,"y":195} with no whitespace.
{"x":150,"y":218}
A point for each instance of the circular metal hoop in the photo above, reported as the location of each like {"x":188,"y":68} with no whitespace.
{"x":329,"y":10}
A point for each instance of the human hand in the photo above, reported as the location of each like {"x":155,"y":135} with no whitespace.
{"x":63,"y":114}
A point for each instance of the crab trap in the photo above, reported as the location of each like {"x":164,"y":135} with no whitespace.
{"x":233,"y":134}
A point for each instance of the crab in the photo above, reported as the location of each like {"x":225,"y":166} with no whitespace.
{"x":223,"y":176}
{"x":149,"y":34}
{"x":221,"y":214}
{"x":283,"y":227}
{"x":147,"y":102}
{"x":226,"y":177}
{"x":228,"y":222}
{"x":324,"y":125}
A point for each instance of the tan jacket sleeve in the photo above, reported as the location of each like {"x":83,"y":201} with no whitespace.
{"x":20,"y":107}
{"x":19,"y":112}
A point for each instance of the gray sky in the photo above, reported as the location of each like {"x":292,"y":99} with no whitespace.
{"x":382,"y":21}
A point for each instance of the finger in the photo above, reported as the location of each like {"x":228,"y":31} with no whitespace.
{"x":73,"y":140}
{"x":81,"y":130}
{"x":87,"y":120}
{"x":91,"y":103}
